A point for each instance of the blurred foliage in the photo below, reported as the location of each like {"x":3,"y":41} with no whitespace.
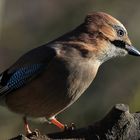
{"x":135,"y":101}
{"x":28,"y":24}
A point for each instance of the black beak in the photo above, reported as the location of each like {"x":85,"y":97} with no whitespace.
{"x":132,"y":50}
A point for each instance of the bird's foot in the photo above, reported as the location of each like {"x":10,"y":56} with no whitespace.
{"x":69,"y":128}
{"x":35,"y":133}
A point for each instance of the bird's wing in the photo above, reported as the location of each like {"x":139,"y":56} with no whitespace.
{"x":26,"y":68}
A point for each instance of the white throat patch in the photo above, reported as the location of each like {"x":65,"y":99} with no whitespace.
{"x":110,"y":52}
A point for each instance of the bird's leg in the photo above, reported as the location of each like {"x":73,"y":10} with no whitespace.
{"x":63,"y":127}
{"x":26,"y":126}
{"x":29,"y":133}
{"x":54,"y":121}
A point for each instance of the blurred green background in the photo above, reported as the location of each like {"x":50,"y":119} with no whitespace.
{"x":25,"y":24}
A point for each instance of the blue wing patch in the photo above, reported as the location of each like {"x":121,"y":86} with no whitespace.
{"x":22,"y":75}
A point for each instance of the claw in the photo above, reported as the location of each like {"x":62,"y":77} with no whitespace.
{"x":33,"y":134}
{"x":71,"y":127}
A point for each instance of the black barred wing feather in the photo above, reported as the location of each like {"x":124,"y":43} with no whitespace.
{"x":23,"y":74}
{"x":19,"y":78}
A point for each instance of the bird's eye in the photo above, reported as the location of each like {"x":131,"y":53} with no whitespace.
{"x":120,"y":33}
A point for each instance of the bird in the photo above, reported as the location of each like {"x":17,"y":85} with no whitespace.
{"x":48,"y":79}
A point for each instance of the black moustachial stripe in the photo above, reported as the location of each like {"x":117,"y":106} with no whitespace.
{"x":119,"y":43}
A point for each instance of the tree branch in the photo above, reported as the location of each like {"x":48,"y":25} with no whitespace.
{"x":118,"y":124}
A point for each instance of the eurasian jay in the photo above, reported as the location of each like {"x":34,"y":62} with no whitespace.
{"x":48,"y":79}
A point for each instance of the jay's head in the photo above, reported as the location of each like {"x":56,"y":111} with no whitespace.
{"x":109,"y":36}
